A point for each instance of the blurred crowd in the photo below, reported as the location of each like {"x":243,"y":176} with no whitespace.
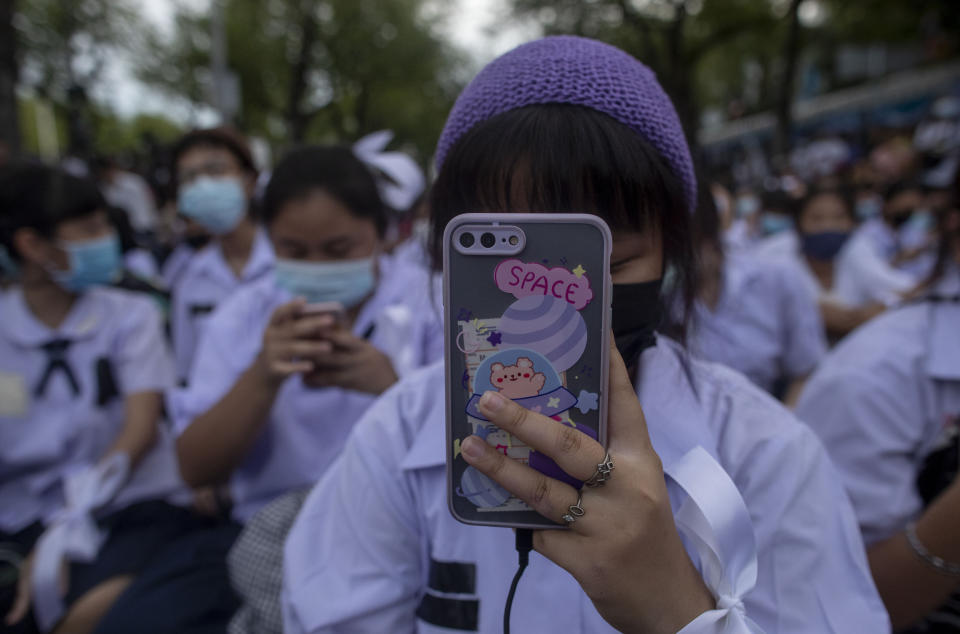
{"x":186,"y":348}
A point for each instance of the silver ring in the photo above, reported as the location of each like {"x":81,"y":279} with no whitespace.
{"x":575,"y":511}
{"x":602,"y":474}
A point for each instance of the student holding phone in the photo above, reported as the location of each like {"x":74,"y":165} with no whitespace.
{"x":721,"y":513}
{"x":280,"y":378}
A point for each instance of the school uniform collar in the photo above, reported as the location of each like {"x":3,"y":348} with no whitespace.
{"x":211,"y":262}
{"x":943,"y":334}
{"x":85,"y":318}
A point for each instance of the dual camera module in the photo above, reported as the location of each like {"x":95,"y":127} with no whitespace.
{"x":487,"y":240}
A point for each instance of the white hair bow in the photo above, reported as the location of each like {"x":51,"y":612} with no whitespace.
{"x":404,"y":180}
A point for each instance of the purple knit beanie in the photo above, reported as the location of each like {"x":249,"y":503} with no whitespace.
{"x":578,"y":71}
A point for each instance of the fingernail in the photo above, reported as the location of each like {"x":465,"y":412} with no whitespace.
{"x":492,"y":401}
{"x":472,"y":447}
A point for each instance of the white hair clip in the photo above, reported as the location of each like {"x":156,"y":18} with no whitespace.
{"x":404,"y":180}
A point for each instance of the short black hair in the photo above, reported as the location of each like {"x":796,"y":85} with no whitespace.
{"x":568,"y":158}
{"x":333,"y":169}
{"x":845,"y":194}
{"x":41,"y":197}
{"x":222,"y":137}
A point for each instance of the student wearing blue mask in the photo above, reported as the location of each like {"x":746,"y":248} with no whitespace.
{"x":278,"y":387}
{"x":88,"y":476}
{"x":275,"y":387}
{"x":215,"y":178}
{"x":872,"y":260}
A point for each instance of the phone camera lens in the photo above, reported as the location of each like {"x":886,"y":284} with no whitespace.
{"x":488,"y":240}
{"x":466,"y":240}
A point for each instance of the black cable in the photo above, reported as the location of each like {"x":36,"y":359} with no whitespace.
{"x":524,"y":546}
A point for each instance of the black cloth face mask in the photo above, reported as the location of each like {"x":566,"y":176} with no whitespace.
{"x":636,"y":314}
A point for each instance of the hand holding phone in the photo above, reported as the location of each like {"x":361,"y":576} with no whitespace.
{"x":527,"y":314}
{"x":292,"y":341}
{"x":353,"y":363}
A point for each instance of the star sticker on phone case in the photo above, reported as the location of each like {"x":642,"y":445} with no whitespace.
{"x":579,"y":271}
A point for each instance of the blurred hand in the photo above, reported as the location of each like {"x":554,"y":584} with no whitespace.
{"x":625,"y":551}
{"x":21,"y":605}
{"x":352,"y":364}
{"x":292,"y":341}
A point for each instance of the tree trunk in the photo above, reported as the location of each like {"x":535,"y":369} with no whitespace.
{"x":297,"y":118}
{"x":784,"y":108}
{"x":9,"y":121}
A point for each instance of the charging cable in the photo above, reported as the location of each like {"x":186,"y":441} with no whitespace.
{"x":524,"y":546}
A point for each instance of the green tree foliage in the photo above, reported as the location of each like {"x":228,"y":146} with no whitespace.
{"x":318,"y":69}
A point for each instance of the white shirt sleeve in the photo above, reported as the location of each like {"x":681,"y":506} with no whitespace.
{"x":805,"y":342}
{"x":226,"y":350}
{"x":360,"y":527}
{"x":873,"y":277}
{"x":144,"y":363}
{"x":865,"y":426}
{"x":812,"y":571}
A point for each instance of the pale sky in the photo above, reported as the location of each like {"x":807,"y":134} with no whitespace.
{"x":469,"y":26}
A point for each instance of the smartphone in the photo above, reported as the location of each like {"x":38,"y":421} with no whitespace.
{"x":321,"y":308}
{"x":527,"y":313}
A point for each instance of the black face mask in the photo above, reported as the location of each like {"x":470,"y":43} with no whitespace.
{"x":197,"y":241}
{"x":636,"y":314}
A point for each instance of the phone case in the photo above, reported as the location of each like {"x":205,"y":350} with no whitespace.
{"x":534,"y":325}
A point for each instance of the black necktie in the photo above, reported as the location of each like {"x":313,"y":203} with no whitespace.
{"x":56,"y":360}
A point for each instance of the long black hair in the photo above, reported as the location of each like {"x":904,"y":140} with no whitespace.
{"x":332,"y":169}
{"x":566,"y":158}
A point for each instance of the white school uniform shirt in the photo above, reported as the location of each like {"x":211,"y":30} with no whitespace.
{"x":46,"y":438}
{"x":375,"y":548}
{"x":883,"y":400}
{"x":766,"y":324}
{"x":207,"y":281}
{"x":863,"y":271}
{"x":307,"y":427}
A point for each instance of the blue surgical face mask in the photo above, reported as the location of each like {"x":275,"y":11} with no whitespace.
{"x":8,"y":266}
{"x":869,"y":207}
{"x":344,"y":281}
{"x":747,"y":206}
{"x":824,"y":245}
{"x":775,"y":223}
{"x":92,"y":263}
{"x":217,"y":204}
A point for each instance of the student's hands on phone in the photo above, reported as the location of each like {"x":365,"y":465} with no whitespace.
{"x":292,"y":340}
{"x":625,"y":551}
{"x":352,"y":364}
{"x":323,"y":349}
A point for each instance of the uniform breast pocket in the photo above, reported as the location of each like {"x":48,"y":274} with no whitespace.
{"x":106,"y":382}
{"x":14,"y":396}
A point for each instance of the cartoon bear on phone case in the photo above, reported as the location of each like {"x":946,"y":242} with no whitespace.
{"x":517,"y":381}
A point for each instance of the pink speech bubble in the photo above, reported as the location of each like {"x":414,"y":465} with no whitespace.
{"x":522,"y":279}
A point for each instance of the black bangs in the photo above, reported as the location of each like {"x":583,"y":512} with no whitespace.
{"x":568,"y":159}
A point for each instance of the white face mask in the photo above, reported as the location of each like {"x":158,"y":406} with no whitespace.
{"x":345,"y":281}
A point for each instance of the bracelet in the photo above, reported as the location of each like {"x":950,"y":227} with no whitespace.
{"x":941,"y":564}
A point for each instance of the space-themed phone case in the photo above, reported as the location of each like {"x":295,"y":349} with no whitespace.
{"x":526,"y":313}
